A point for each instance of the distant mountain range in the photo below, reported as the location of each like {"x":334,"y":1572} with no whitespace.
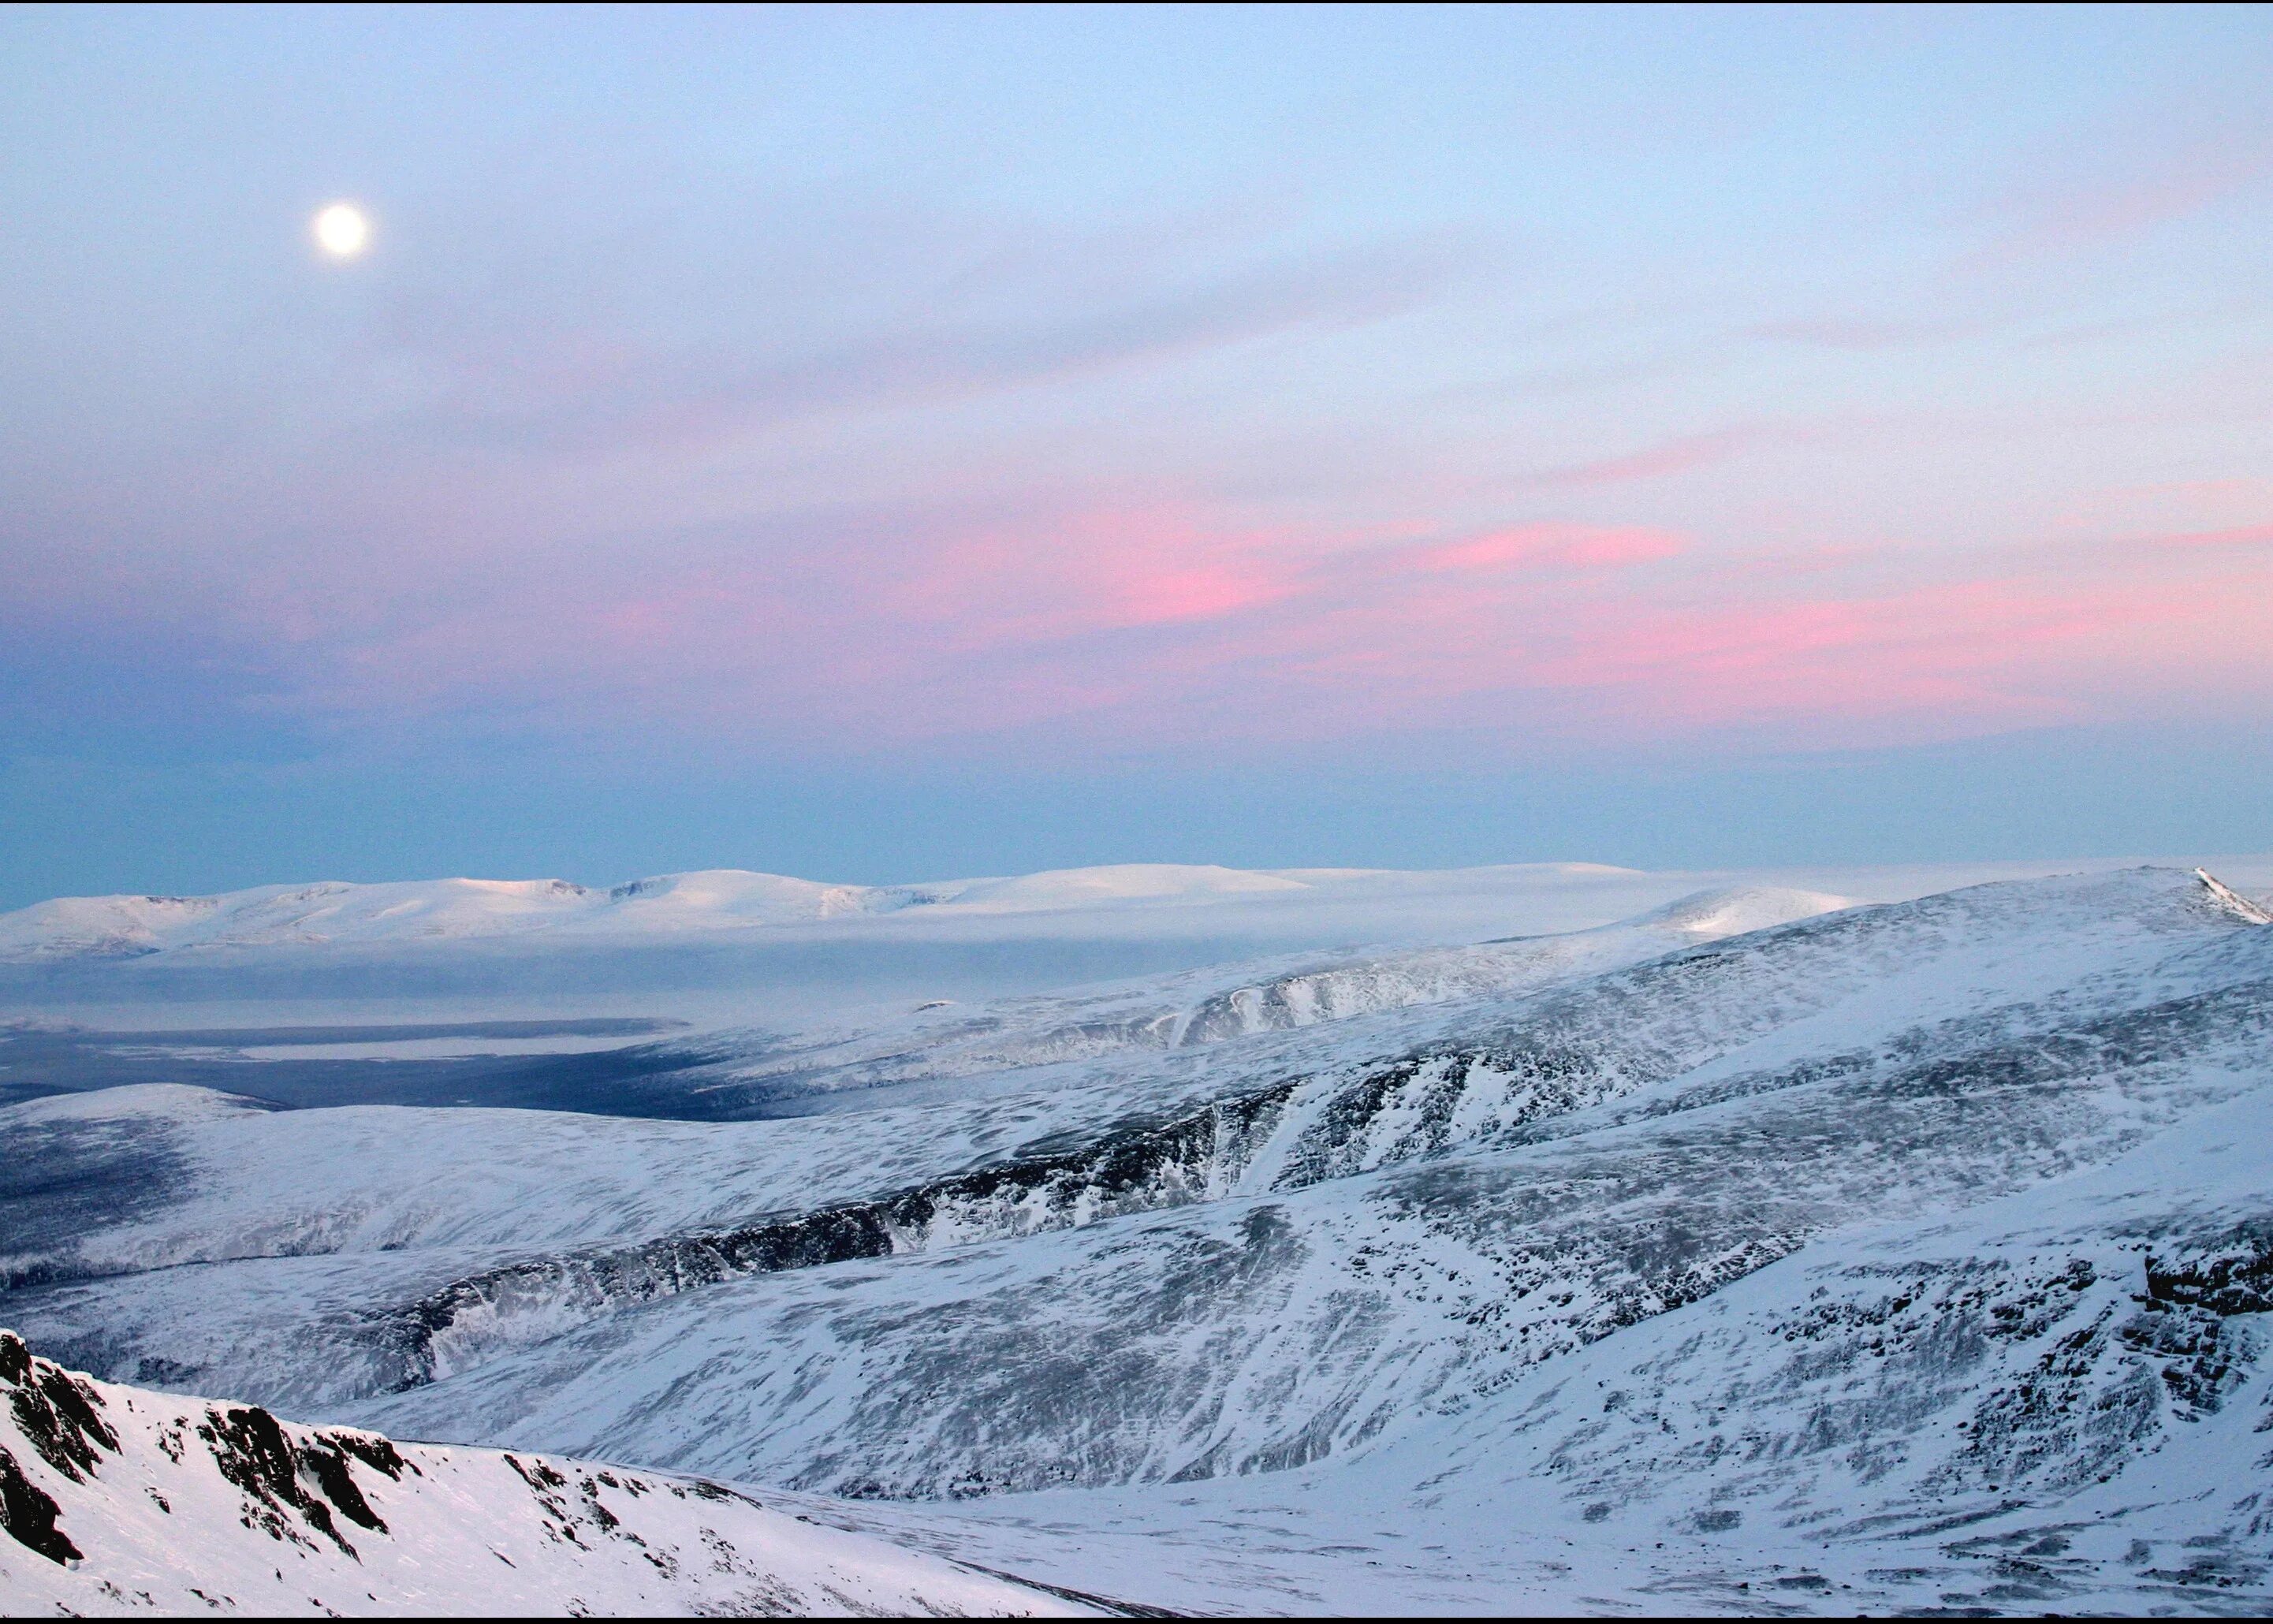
{"x":669,"y":907}
{"x":709,"y":900}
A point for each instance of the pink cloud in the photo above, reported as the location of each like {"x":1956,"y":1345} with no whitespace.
{"x":1204,"y":592}
{"x":1552,"y":544}
{"x":2242,"y":535}
{"x":1053,"y":579}
{"x":2002,"y":652}
{"x":1156,"y":623}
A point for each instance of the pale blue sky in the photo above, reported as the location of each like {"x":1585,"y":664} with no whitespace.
{"x":882,"y":443}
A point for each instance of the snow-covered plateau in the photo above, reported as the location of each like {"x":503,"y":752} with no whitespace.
{"x":1544,"y":1239}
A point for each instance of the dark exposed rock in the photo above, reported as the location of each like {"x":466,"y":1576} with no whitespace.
{"x":335,"y":1481}
{"x":28,"y":1513}
{"x":379,"y":1454}
{"x":276,"y":1476}
{"x":56,"y":1414}
{"x":55,"y":1411}
{"x":2230,"y":1274}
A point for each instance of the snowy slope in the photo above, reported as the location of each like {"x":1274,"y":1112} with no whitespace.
{"x":220,"y":1176}
{"x":119,"y":1500}
{"x":1873,"y":1242}
{"x":725,"y":949}
{"x":2057,"y":1402}
{"x":1392,"y":1181}
{"x":425,"y":910}
{"x":272,"y":916}
{"x":1407,"y":1235}
{"x":1201,"y":1007}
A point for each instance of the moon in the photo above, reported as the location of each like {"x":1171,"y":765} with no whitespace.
{"x":342,"y":230}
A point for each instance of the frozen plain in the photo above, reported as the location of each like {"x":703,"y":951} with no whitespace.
{"x":1690,"y":1252}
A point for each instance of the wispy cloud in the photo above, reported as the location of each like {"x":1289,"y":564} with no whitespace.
{"x":2160,"y":176}
{"x":2241,"y":535}
{"x":1858,"y":333}
{"x":945,"y":317}
{"x":1219,"y":434}
{"x":1673,"y":456}
{"x":1104,"y":628}
{"x":1130,"y":627}
{"x":1550,"y":544}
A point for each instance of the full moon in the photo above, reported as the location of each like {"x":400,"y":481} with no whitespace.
{"x":342,"y":230}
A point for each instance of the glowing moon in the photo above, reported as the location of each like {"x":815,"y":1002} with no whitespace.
{"x":342,"y":230}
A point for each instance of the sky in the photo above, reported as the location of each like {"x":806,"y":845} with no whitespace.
{"x":890,"y":444}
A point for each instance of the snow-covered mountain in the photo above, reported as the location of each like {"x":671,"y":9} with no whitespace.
{"x":2057,"y":1401}
{"x":413,"y":911}
{"x":1761,"y":1244}
{"x":121,"y":1500}
{"x":726,"y":947}
{"x":431,"y":917}
{"x":664,"y":906}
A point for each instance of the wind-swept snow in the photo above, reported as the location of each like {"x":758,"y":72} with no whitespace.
{"x":2055,"y":1402}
